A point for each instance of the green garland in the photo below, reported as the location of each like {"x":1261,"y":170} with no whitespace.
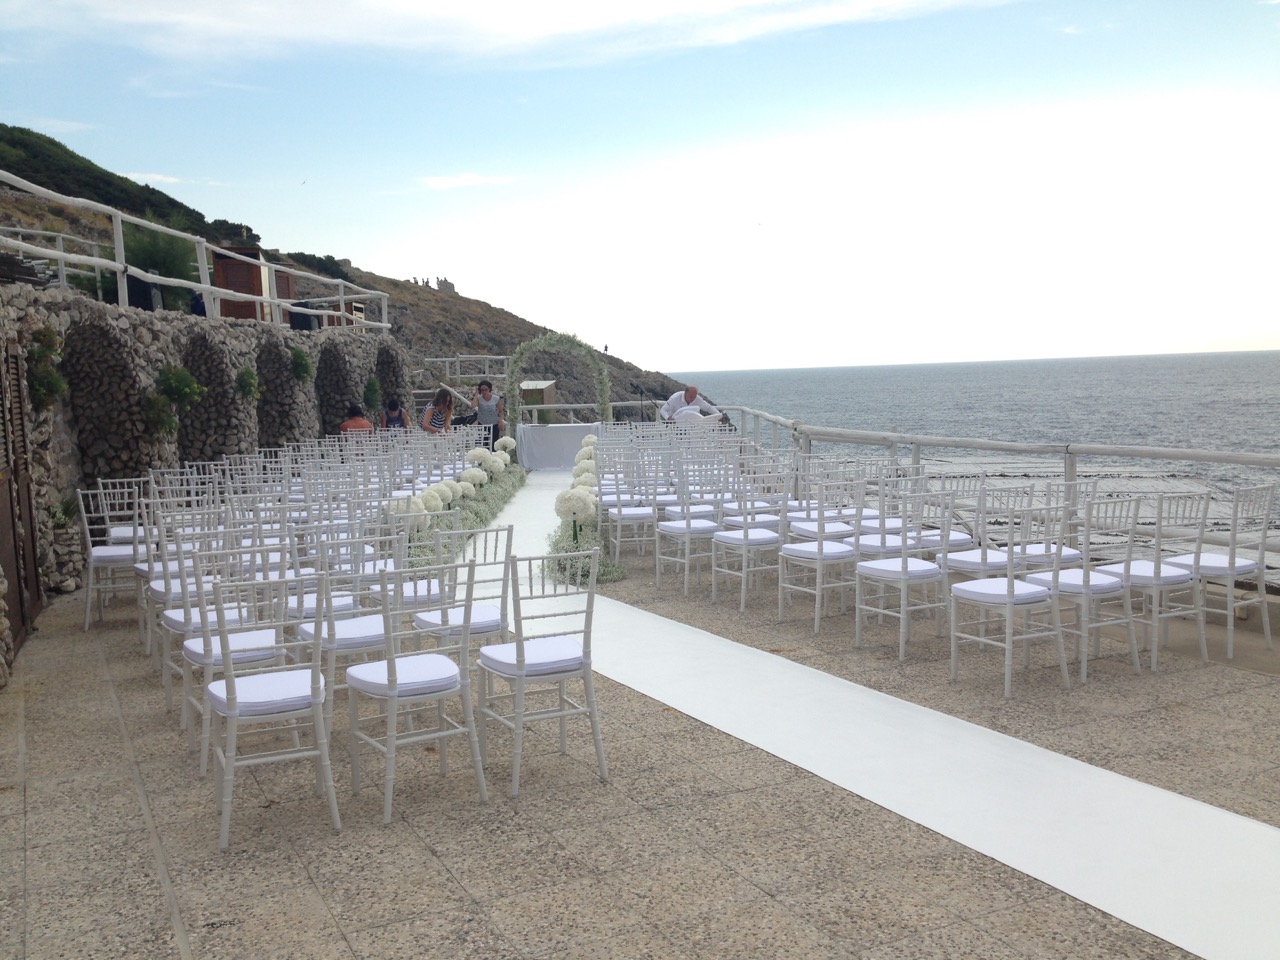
{"x":552,"y":343}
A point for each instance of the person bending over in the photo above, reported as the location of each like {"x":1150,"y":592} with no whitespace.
{"x":686,"y":399}
{"x":438,"y":418}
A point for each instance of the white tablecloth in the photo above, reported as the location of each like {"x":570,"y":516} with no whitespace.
{"x":551,"y":446}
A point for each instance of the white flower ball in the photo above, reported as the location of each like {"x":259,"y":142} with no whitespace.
{"x":589,"y":440}
{"x":430,"y":500}
{"x":587,"y":480}
{"x":504,"y":457}
{"x":586,"y":453}
{"x":443,"y":492}
{"x":468,"y":489}
{"x":505,"y":444}
{"x":586,"y":466}
{"x":474,"y":476}
{"x":477,"y":455}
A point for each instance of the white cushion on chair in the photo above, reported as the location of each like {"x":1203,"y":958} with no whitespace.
{"x":814,"y":549}
{"x":416,"y":676}
{"x":1215,"y":564}
{"x":1142,"y":573}
{"x":831,"y":529}
{"x":1072,"y":581}
{"x":113,"y":554}
{"x":1041,"y":554}
{"x":971,"y":560}
{"x":262,"y":694}
{"x":767,"y":521}
{"x":694,"y":527}
{"x":996,"y":591}
{"x":873,"y":544}
{"x":917,"y":569}
{"x":543,"y":656}
{"x":629,"y":514}
{"x":352,"y":633}
{"x":338,"y":603}
{"x":748,"y":537}
{"x":485,"y":618}
{"x":245,"y":648}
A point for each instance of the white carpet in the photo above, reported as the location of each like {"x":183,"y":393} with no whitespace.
{"x":1195,"y":875}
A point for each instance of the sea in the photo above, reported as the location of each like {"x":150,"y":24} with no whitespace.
{"x":1227,"y":402}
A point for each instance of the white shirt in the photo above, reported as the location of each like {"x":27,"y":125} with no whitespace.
{"x":676,"y":403}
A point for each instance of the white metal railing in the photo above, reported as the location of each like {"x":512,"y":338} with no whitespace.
{"x":344,"y":306}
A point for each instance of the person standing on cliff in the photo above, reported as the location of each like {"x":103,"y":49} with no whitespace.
{"x":686,"y":399}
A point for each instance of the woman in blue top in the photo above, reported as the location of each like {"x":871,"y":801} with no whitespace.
{"x":438,"y":418}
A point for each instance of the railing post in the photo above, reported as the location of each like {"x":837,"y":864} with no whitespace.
{"x":122,"y":274}
{"x":62,"y":264}
{"x":276,"y":318}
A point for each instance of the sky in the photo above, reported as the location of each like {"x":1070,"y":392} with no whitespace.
{"x":718,"y":184}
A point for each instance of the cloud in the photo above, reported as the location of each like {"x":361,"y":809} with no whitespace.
{"x":54,"y":127}
{"x":458,"y":180}
{"x":554,"y":30}
{"x":154,"y":178}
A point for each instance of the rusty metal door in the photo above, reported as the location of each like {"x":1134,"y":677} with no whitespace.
{"x":17,"y":510}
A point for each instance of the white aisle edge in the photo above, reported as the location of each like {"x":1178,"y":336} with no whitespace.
{"x":1200,"y":877}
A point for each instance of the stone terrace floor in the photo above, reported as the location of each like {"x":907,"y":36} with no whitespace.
{"x":699,"y":846}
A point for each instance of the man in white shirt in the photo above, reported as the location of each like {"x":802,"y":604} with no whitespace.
{"x":687,"y":399}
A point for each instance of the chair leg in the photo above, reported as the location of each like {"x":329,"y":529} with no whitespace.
{"x":473,"y":740}
{"x":389,"y":787}
{"x":517,"y":736}
{"x":589,"y":694}
{"x":324,"y":767}
{"x":227,"y":785}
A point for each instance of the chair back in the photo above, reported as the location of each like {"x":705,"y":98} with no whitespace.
{"x":553,"y":596}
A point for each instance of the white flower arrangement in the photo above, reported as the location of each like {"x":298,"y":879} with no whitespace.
{"x":586,"y":480}
{"x":474,"y":476}
{"x":586,"y":466}
{"x":589,"y":440}
{"x":477,"y":455}
{"x":586,"y":453}
{"x":495,"y":466}
{"x":504,"y":457}
{"x":443,"y":492}
{"x":468,"y":489}
{"x":454,"y":489}
{"x":505,"y":444}
{"x":429,"y":501}
{"x":577,"y":505}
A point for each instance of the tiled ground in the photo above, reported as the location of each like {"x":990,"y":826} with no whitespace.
{"x":698,"y":846}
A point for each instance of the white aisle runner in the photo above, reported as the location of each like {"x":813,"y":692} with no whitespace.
{"x":1193,"y":874}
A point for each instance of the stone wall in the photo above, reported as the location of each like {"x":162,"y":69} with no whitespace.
{"x":111,"y":357}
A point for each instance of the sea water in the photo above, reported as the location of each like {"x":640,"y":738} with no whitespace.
{"x":1226,"y":402}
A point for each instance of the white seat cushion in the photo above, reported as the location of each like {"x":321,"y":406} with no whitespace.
{"x":748,"y":537}
{"x":831,"y":529}
{"x":417,"y":675}
{"x":995,"y":591}
{"x":631,"y":514}
{"x":813,"y":550}
{"x":252,"y":645}
{"x":113,"y":554}
{"x":176,"y":618}
{"x":262,"y":694}
{"x":875,"y":545}
{"x":918,"y":569}
{"x":486,"y":618}
{"x":767,"y":521}
{"x":1215,"y":564}
{"x":354,"y":633}
{"x":694,"y":527}
{"x":1072,"y":581}
{"x":971,"y":561}
{"x":1041,"y":554}
{"x":543,"y":656}
{"x":1142,"y":573}
{"x":305,"y":606}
